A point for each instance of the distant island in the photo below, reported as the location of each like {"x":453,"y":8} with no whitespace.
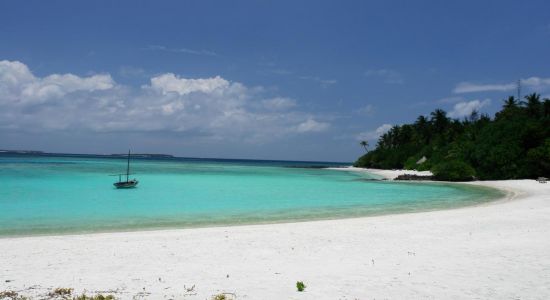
{"x":514,"y":144}
{"x":35,"y":152}
{"x":21,"y":152}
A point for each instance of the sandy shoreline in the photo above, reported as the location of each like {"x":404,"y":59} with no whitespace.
{"x":495,"y":251}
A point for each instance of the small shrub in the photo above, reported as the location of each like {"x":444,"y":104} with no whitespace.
{"x":8,"y":294}
{"x":95,"y":297}
{"x":410,"y":163}
{"x":454,"y":170}
{"x":426,"y":166}
{"x":300,"y":286}
{"x":61,"y":292}
{"x":224,"y":296}
{"x":11,"y":295}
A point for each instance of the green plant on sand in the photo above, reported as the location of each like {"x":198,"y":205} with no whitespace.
{"x":224,"y":296}
{"x":11,"y":295}
{"x":95,"y":297}
{"x":61,"y":292}
{"x":300,"y":286}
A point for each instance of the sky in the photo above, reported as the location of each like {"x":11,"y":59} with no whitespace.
{"x":290,"y":80}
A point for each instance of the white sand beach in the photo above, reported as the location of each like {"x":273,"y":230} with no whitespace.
{"x":499,"y":250}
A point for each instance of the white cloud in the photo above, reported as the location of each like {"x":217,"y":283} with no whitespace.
{"x":312,"y":126}
{"x":18,"y":84}
{"x":13,"y":74}
{"x":467,"y":87}
{"x":389,"y":76}
{"x":374,"y":134}
{"x":169,"y":82}
{"x":206,"y":108}
{"x":463,"y":109}
{"x":278,"y":103}
{"x":60,"y":85}
{"x":531,"y":82}
{"x":536,"y":82}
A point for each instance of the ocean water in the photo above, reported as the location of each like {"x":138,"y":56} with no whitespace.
{"x":55,"y":195}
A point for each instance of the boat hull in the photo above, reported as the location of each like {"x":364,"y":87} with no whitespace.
{"x":126,"y":184}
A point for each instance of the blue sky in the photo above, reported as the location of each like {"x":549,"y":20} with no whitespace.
{"x":302,"y":80}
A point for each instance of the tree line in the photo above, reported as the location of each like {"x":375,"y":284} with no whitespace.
{"x":513,"y":144}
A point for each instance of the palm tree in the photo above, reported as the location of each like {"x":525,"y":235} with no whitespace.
{"x":422,"y":126}
{"x":365,"y":145}
{"x":533,"y":104}
{"x":474,"y":116}
{"x":440,"y":120}
{"x":510,"y":103}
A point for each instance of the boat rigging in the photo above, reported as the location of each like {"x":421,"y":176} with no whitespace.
{"x":128,"y":183}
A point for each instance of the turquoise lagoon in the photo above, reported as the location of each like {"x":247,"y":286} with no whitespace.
{"x":54,"y":195}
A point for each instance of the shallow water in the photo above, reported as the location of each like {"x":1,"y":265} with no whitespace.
{"x":47,"y":195}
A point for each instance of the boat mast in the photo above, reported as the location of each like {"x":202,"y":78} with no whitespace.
{"x":128,"y":166}
{"x":519,"y":90}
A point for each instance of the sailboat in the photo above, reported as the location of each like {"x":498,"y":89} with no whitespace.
{"x":128,"y":183}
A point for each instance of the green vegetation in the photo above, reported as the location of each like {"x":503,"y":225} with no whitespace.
{"x":514,"y":144}
{"x":224,"y":296}
{"x":454,"y":170}
{"x":11,"y":295}
{"x":58,"y":293}
{"x":365,"y":145}
{"x":300,"y":286}
{"x":61,"y":292}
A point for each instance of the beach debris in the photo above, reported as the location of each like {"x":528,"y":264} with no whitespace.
{"x":372,"y":261}
{"x":225,"y":296}
{"x":189,"y":289}
{"x":410,"y":253}
{"x":227,"y":276}
{"x":61,"y":292}
{"x":140,"y":295}
{"x":300,"y":286}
